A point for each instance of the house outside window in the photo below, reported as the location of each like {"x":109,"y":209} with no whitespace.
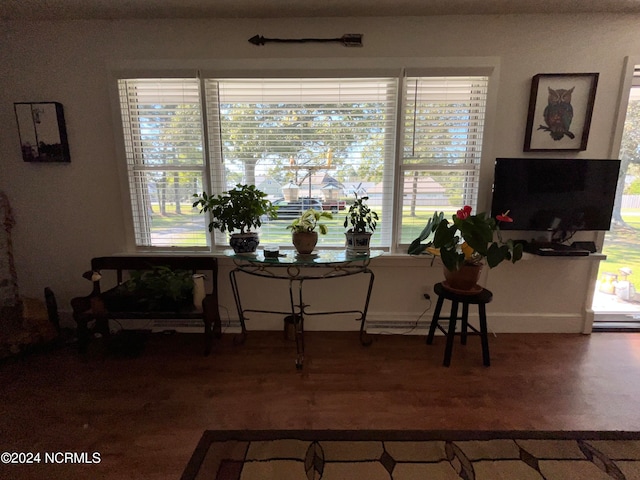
{"x":413,"y":145}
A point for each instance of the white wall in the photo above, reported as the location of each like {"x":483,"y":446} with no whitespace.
{"x":67,"y":213}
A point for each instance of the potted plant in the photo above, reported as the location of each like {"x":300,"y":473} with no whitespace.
{"x":237,"y":210}
{"x":464,"y":243}
{"x":303,"y":229}
{"x":362,"y":222}
{"x":159,"y":289}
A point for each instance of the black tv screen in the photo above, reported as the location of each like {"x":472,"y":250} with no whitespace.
{"x":555,"y":194}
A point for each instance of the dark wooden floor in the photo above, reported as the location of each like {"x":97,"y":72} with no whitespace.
{"x":145,"y":415}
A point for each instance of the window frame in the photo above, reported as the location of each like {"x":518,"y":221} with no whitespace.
{"x":327,"y":68}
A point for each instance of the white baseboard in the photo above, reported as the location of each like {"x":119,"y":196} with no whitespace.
{"x":416,"y":323}
{"x":497,"y":323}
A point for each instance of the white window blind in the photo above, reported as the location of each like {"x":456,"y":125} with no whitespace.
{"x":442,"y":146}
{"x":162,"y":125}
{"x":307,"y":143}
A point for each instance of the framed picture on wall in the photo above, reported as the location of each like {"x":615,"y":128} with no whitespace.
{"x":43,"y":134}
{"x":560,"y":109}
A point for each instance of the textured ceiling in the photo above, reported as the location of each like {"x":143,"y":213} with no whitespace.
{"x":147,"y":9}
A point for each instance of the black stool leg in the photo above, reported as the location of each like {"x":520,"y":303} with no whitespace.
{"x":451,"y":333}
{"x":465,"y":323}
{"x":484,"y":335}
{"x":434,"y":320}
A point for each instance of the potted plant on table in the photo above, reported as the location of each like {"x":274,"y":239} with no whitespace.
{"x":303,"y":229}
{"x":464,"y":243}
{"x":363,"y":222}
{"x":237,"y":211}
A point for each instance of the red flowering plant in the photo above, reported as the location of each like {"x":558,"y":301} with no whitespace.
{"x":467,"y":239}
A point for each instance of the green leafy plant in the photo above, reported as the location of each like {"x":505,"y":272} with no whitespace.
{"x":240,"y":208}
{"x":466,"y":239}
{"x":161,"y":288}
{"x":417,"y":247}
{"x":310,"y":220}
{"x":360,"y":217}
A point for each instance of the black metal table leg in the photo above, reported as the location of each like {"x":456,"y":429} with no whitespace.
{"x":299,"y":326}
{"x":365,"y":338}
{"x":238,"y":339}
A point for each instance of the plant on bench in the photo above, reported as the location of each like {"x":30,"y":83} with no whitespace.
{"x":160,"y":289}
{"x":149,"y":287}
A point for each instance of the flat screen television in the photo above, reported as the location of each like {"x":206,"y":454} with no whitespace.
{"x":555,"y":195}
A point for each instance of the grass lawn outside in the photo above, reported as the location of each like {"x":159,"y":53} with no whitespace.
{"x":622,"y":248}
{"x":189,"y":226}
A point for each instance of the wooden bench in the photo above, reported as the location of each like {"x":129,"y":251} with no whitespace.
{"x":92,"y":307}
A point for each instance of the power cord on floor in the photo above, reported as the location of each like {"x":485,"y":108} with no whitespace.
{"x":415,"y":324}
{"x":226,"y":324}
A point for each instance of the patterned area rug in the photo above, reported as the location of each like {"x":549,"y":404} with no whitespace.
{"x":399,"y":455}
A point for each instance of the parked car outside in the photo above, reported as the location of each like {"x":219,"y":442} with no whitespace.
{"x":334,"y":205}
{"x":295,"y":208}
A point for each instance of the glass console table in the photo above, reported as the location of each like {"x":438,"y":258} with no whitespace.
{"x":297,"y":268}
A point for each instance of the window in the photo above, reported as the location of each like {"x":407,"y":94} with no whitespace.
{"x":442,"y":146}
{"x":163,"y":137}
{"x":305,"y":142}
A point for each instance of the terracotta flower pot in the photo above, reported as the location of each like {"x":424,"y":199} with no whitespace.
{"x":464,"y":279}
{"x":304,"y":242}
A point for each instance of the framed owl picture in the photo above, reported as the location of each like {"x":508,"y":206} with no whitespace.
{"x":560,"y":109}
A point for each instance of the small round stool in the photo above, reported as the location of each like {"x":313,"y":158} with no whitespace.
{"x":481,"y":299}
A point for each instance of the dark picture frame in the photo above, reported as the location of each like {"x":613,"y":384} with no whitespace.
{"x":42,"y":131}
{"x":560,"y":110}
